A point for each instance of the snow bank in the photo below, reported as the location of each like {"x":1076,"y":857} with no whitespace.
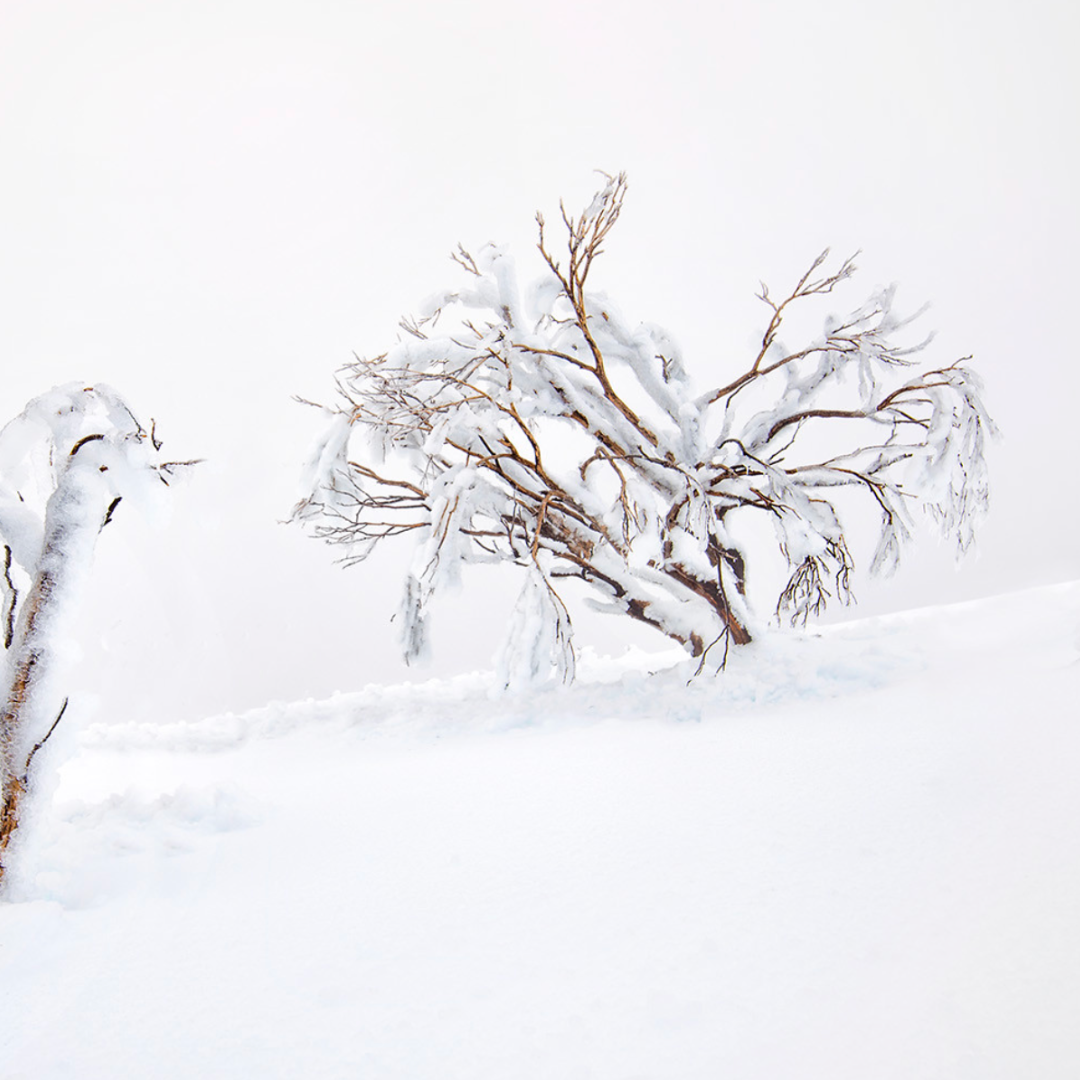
{"x":851,"y":856}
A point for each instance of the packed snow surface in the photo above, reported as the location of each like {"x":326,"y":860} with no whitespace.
{"x":851,"y":856}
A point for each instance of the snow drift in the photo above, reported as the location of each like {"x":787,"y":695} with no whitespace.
{"x":852,"y":855}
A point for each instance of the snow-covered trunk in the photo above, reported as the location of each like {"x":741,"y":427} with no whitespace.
{"x":692,"y":634}
{"x":694,"y":608}
{"x":709,"y":591}
{"x":74,"y":516}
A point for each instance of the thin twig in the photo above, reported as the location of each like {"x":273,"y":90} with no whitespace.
{"x":39,"y":745}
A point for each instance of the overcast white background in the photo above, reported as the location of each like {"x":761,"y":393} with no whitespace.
{"x":210,"y":205}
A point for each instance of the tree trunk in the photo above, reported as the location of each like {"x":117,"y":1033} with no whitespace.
{"x":713,"y":594}
{"x":73,"y":519}
{"x":27,"y":669}
{"x":696,"y":634}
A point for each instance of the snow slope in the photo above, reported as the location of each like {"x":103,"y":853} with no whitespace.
{"x":853,"y":856}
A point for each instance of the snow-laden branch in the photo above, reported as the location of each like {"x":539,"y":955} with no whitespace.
{"x":540,"y":427}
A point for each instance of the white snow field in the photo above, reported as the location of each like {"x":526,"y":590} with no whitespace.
{"x":853,"y":856}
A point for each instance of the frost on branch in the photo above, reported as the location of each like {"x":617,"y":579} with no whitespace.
{"x":66,"y":463}
{"x":540,"y":427}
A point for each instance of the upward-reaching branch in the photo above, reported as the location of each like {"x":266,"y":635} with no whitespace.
{"x":803,"y":289}
{"x":585,"y":237}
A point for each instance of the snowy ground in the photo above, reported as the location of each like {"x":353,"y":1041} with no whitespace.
{"x":854,"y":856}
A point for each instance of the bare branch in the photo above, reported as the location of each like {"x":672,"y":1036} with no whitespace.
{"x":42,"y":741}
{"x":804,"y":288}
{"x":11,"y":599}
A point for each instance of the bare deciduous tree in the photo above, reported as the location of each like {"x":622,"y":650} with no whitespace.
{"x":546,"y":430}
{"x":66,"y":462}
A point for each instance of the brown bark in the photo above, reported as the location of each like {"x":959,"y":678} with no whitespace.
{"x":13,"y":719}
{"x":709,"y":591}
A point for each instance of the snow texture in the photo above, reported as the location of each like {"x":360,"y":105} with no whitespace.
{"x":852,"y":855}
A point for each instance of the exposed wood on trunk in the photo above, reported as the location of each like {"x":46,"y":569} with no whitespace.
{"x":26,"y":672}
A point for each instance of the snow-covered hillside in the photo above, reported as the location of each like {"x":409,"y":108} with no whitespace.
{"x":852,"y":856}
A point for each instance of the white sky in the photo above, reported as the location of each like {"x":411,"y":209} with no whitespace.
{"x":209,"y":205}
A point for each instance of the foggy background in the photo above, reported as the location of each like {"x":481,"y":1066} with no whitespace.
{"x":211,"y":205}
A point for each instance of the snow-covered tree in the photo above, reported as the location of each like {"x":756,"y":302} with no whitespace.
{"x":66,"y":462}
{"x":541,"y":427}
